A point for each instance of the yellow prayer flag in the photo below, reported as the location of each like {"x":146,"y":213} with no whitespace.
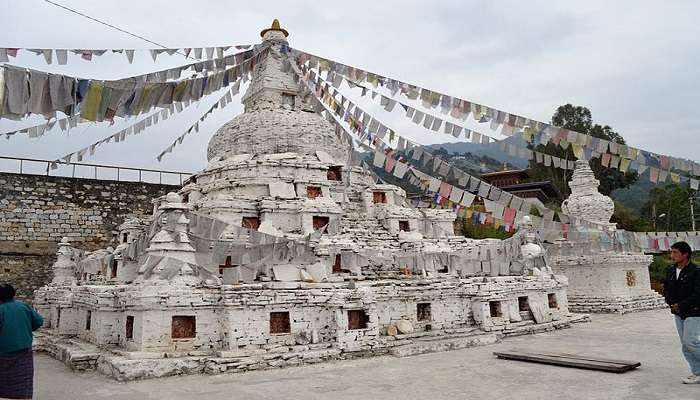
{"x":179,"y":91}
{"x":624,"y":164}
{"x":676,"y":178}
{"x":92,"y":102}
{"x":373,"y":79}
{"x":143,"y":101}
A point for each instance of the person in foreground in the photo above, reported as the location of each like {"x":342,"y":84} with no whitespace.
{"x":17,"y":322}
{"x":682,"y":293}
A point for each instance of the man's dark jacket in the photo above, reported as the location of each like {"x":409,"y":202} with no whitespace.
{"x":684,"y":290}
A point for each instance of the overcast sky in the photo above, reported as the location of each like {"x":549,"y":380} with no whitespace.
{"x":633,"y":63}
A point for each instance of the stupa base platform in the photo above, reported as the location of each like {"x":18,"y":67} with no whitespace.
{"x":606,"y":282}
{"x":616,"y":305}
{"x":127,"y":366}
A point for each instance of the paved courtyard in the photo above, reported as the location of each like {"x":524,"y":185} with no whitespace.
{"x":648,"y":337}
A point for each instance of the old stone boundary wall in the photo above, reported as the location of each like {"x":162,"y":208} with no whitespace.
{"x":36,"y":211}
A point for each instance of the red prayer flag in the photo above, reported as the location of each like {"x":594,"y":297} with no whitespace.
{"x":390,"y":163}
{"x":445,"y":189}
{"x":509,"y":215}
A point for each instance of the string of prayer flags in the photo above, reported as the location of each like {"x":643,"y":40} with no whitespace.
{"x":418,"y":117}
{"x":508,"y":122}
{"x":133,"y":129}
{"x":37,"y":92}
{"x":40,"y":129}
{"x":607,"y":160}
{"x":225,"y":100}
{"x":324,"y":94}
{"x":87,"y":54}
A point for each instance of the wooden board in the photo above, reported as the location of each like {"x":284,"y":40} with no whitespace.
{"x":571,"y":360}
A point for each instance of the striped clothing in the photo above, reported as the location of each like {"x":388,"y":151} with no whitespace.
{"x":17,"y":375}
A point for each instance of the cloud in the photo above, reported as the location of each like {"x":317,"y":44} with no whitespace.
{"x":633,"y":63}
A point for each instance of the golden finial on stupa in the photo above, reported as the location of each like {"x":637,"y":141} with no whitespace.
{"x":275,"y":27}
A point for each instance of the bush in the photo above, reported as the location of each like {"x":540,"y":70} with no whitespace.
{"x":479,"y":231}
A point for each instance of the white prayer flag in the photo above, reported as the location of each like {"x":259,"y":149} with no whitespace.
{"x":379,"y":159}
{"x":467,"y":199}
{"x":48,"y":55}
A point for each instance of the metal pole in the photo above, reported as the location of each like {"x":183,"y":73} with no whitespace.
{"x":668,"y":216}
{"x":20,"y":166}
{"x":692,"y":211}
{"x":73,"y":173}
{"x":139,"y":175}
{"x":117,"y":174}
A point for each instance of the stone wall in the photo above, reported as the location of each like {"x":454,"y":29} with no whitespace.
{"x":37,"y":211}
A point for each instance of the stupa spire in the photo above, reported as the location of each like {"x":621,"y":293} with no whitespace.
{"x":585,"y":201}
{"x":273,"y":86}
{"x":274,"y":28}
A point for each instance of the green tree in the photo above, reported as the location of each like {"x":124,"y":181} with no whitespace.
{"x":625,"y":219}
{"x":670,"y":207}
{"x":579,"y":119}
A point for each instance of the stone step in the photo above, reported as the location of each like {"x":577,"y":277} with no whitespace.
{"x":434,"y":345}
{"x":438,"y":334}
{"x":78,"y":355}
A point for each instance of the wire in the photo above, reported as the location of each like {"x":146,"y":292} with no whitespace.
{"x":114,"y":27}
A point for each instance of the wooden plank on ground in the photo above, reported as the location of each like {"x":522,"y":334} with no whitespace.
{"x":581,"y":357}
{"x":571,"y":360}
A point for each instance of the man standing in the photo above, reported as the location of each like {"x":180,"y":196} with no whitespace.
{"x":682,"y":292}
{"x":17,"y":321}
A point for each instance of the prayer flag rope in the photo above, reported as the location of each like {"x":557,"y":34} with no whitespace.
{"x":61,"y":55}
{"x":37,"y":92}
{"x":225,"y":100}
{"x":498,"y":119}
{"x":419,"y":117}
{"x":621,"y":157}
{"x":39,"y":130}
{"x":577,"y":229}
{"x":151,"y":120}
{"x":133,"y":129}
{"x":442,"y":189}
{"x":384,"y":158}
